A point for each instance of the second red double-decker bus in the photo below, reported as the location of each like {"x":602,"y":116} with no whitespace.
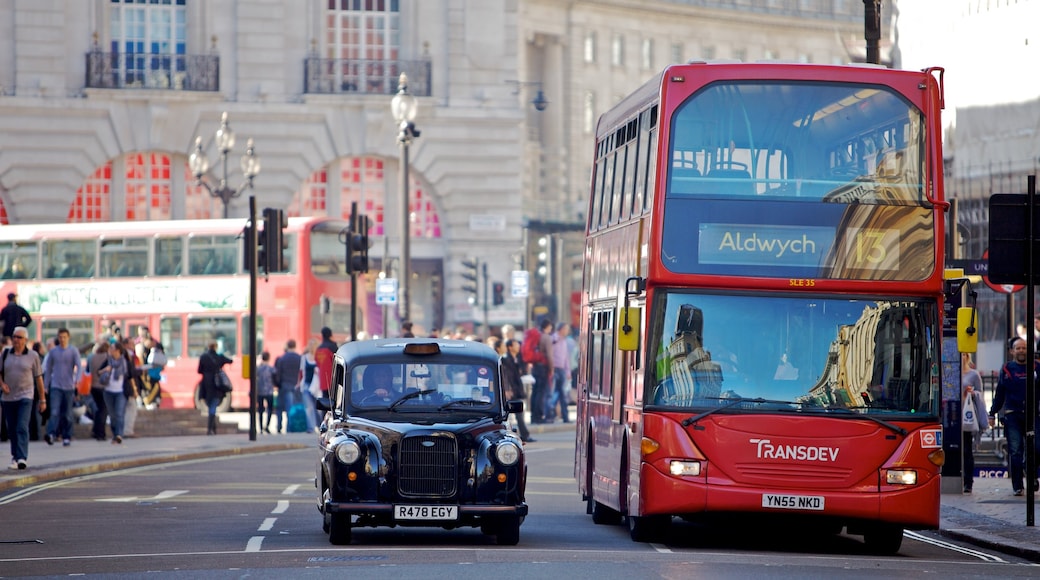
{"x":761,"y":313}
{"x":184,"y":281}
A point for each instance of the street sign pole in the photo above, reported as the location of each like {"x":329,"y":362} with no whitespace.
{"x":1030,"y":360}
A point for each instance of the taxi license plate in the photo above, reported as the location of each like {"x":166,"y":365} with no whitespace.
{"x":792,"y":502}
{"x":426,"y":512}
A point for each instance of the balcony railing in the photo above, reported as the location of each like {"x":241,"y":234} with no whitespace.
{"x":172,"y":72}
{"x":374,"y":77}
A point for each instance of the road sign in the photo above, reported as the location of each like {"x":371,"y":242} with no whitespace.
{"x":1002,"y":288}
{"x":519,"y":279}
{"x":386,"y":290}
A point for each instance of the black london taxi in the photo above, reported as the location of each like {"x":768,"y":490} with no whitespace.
{"x":416,"y":433}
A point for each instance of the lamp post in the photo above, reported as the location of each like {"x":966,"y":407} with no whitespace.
{"x":404,"y":106}
{"x":225,"y":141}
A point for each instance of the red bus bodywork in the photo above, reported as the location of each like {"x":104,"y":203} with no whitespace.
{"x":837,"y":470}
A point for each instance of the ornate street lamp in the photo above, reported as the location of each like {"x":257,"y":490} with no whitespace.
{"x":225,"y":141}
{"x":404,"y":107}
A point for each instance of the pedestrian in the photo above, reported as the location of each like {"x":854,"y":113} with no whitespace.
{"x":152,"y":380}
{"x":973,"y":423}
{"x":325,"y":356}
{"x":100,"y":373}
{"x":38,"y":420}
{"x":512,"y":384}
{"x":265,"y":379}
{"x":561,"y":374}
{"x":211,"y":363}
{"x":61,"y":370}
{"x":13,"y":315}
{"x":406,"y":329}
{"x":287,"y":369}
{"x":310,"y":382}
{"x":114,"y":394}
{"x":133,"y":386}
{"x":20,"y":374}
{"x":537,"y":353}
{"x":1010,"y":398}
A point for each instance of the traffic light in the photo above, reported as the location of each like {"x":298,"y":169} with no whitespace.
{"x":250,"y":248}
{"x":357,"y":247}
{"x":498,"y":293}
{"x":272,"y":245}
{"x":470,"y":273}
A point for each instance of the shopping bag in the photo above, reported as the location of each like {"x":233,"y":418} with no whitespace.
{"x":969,"y":421}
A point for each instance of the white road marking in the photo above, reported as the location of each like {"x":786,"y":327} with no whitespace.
{"x":267,"y":525}
{"x":291,"y":489}
{"x":254,"y":544}
{"x":157,"y":497}
{"x":953,"y":547}
{"x":281,"y":508}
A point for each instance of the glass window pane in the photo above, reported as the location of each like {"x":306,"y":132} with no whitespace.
{"x":68,"y":259}
{"x":221,"y":330}
{"x":171,"y":335}
{"x":18,"y":260}
{"x":123,"y":257}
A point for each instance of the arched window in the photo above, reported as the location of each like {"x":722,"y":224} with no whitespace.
{"x":147,"y":187}
{"x":92,"y":198}
{"x":147,"y":183}
{"x":362,"y":180}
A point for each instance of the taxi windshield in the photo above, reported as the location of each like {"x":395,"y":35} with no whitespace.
{"x":422,"y":386}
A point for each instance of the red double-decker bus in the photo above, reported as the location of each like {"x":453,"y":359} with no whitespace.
{"x":761,"y":312}
{"x":184,"y":280}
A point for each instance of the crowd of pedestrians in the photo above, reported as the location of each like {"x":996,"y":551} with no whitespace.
{"x":41,"y":387}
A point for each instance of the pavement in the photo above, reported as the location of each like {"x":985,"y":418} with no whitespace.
{"x":990,"y":517}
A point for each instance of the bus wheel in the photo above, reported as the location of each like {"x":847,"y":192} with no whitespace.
{"x":883,"y":539}
{"x":604,"y":515}
{"x":223,"y":407}
{"x":648,"y":528}
{"x":339,"y":528}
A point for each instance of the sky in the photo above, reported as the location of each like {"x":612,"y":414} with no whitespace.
{"x":989,"y":48}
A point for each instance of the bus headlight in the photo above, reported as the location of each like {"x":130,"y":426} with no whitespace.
{"x":507,"y":453}
{"x":681,"y":468}
{"x":348,"y":452}
{"x":901,"y":477}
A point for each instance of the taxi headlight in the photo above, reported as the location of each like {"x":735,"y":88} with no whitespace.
{"x":901,"y":477}
{"x":348,"y":452}
{"x":507,"y":453}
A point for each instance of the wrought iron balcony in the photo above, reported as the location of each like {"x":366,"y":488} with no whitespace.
{"x":172,"y":72}
{"x":374,"y":77}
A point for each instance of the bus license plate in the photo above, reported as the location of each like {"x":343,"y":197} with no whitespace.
{"x":792,"y":502}
{"x":426,"y":512}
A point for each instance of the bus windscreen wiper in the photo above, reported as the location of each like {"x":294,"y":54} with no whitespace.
{"x":732,"y":403}
{"x":882,"y":422}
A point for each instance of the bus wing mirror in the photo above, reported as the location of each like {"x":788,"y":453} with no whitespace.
{"x":628,"y":330}
{"x":967,"y":333}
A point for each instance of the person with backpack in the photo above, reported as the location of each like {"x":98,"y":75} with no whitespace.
{"x":537,"y":353}
{"x":1010,"y":397}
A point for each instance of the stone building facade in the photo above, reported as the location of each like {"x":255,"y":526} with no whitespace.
{"x":101,"y":102}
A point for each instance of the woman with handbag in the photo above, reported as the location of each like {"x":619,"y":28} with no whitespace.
{"x":973,"y":417}
{"x":214,"y":384}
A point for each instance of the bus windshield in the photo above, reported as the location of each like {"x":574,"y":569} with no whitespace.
{"x":837,"y":142}
{"x":798,"y":353}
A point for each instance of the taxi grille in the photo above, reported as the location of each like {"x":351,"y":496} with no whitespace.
{"x":428,"y":466}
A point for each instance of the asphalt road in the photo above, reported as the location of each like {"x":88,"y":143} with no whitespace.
{"x":255,"y":516}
